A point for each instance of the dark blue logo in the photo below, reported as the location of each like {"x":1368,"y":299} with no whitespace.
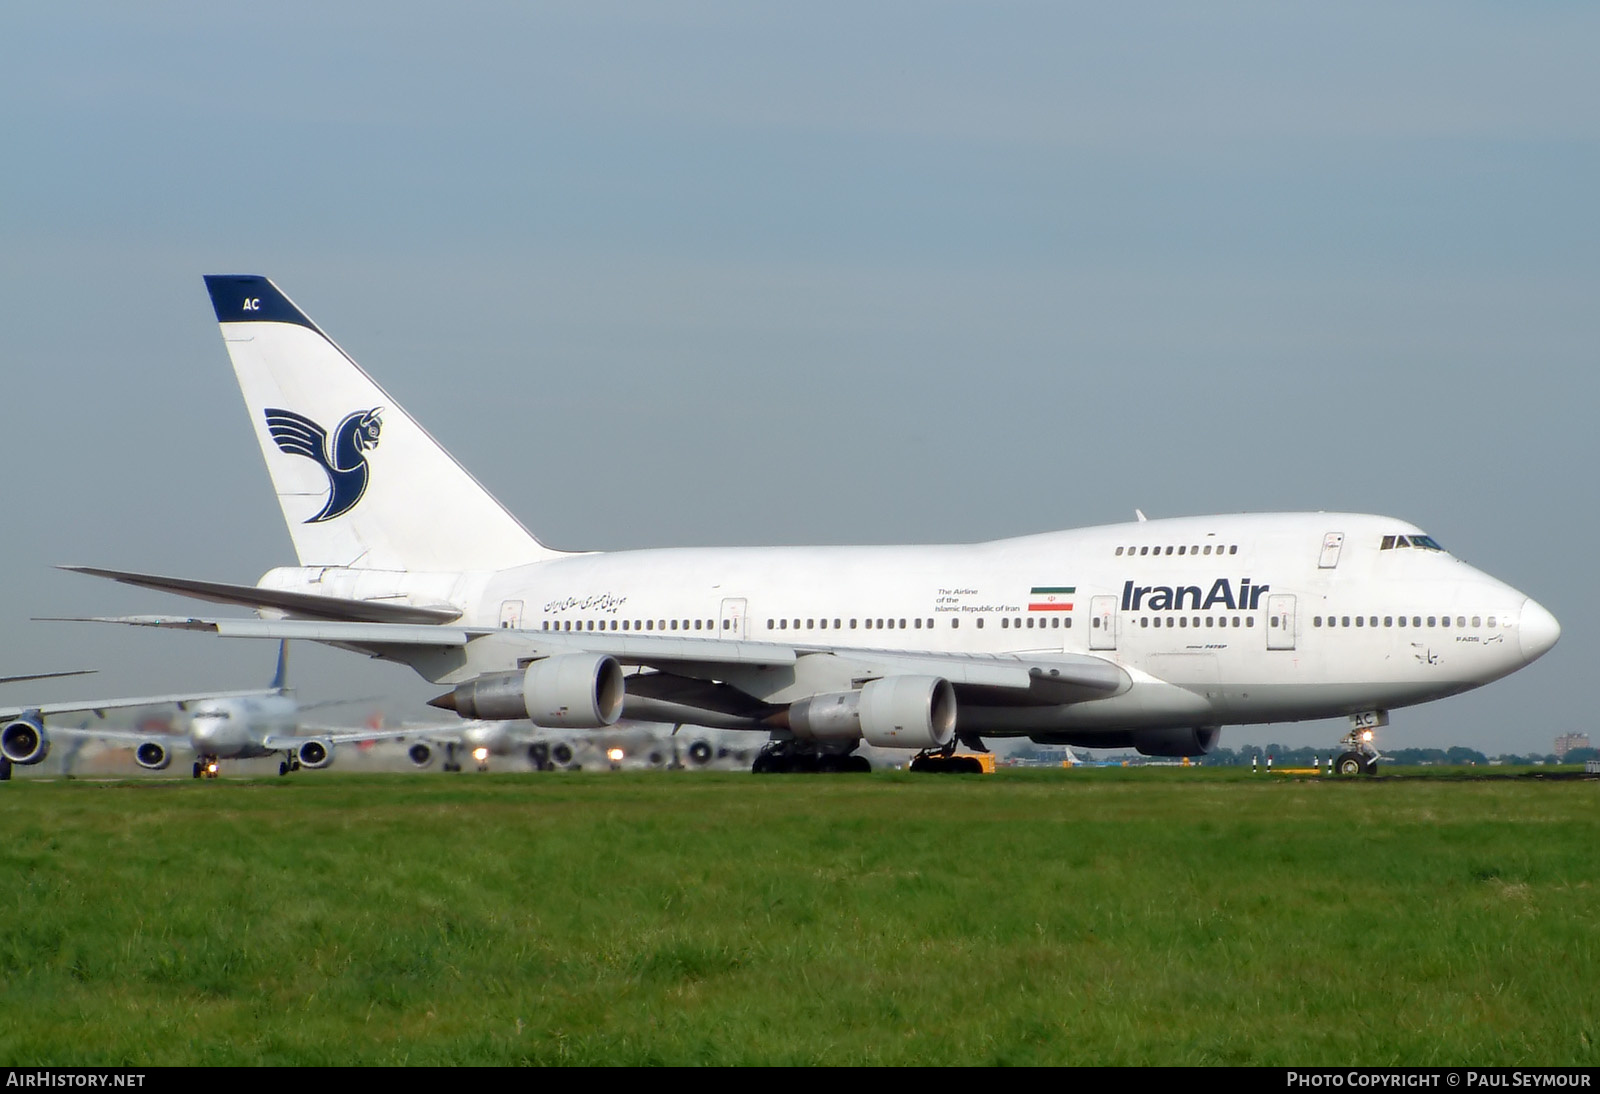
{"x":342,"y":459}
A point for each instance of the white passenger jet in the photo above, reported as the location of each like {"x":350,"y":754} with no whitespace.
{"x":236,"y":725}
{"x":1152,"y":634}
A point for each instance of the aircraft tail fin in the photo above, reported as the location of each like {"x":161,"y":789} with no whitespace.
{"x":280,"y":679}
{"x":360,"y":483}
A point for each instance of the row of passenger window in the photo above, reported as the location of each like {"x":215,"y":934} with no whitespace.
{"x":638,"y":625}
{"x":840,"y":624}
{"x":1232,"y":549}
{"x":1184,"y":621}
{"x":1398,"y":621}
{"x":1055,"y":622}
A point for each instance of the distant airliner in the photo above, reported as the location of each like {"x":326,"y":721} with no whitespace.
{"x":236,"y":725}
{"x":625,"y":744}
{"x":1151,"y":634}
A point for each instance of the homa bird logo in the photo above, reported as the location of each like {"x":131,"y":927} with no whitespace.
{"x":342,"y":457}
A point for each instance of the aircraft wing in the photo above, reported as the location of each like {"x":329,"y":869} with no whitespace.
{"x":1051,"y":676}
{"x":97,"y":706}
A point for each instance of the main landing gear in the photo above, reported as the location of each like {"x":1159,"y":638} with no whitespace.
{"x":783,"y":757}
{"x":451,"y":763}
{"x":290,"y":764}
{"x":944,"y":761}
{"x":947,"y":765}
{"x":1358,"y":755}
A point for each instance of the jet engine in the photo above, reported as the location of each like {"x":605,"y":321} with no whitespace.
{"x":23,"y":739}
{"x":700,"y":752}
{"x":315,"y":754}
{"x":895,"y":712}
{"x":1176,"y":742}
{"x":420,"y":754}
{"x":581,"y":690}
{"x":152,"y":756}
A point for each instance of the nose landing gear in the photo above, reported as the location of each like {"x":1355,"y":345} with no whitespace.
{"x":1358,"y":755}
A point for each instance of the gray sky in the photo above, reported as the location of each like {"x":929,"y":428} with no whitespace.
{"x":707,"y":273}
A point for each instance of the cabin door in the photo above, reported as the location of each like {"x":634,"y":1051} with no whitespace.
{"x":1103,"y":623}
{"x":732,"y":625}
{"x":1331,"y":545}
{"x":1280,"y":621}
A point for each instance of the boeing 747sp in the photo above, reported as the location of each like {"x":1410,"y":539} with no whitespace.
{"x":1152,"y":634}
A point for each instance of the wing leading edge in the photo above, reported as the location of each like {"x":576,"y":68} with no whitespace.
{"x":1054,"y":678}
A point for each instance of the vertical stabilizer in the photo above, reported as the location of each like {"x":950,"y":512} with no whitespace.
{"x":280,"y":679}
{"x":361,"y":484}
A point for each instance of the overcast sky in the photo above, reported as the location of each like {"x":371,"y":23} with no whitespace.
{"x":704,"y":273}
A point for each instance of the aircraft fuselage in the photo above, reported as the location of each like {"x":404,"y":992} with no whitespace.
{"x":1217,"y":620}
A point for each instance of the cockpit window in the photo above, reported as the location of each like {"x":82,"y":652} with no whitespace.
{"x":1426,"y":543}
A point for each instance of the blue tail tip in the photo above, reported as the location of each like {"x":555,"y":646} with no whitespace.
{"x":251,"y":298}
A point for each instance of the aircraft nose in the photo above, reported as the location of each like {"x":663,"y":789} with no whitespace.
{"x":1537,"y":631}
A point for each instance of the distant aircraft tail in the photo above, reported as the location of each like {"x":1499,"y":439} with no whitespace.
{"x":280,"y":678}
{"x":361,"y":484}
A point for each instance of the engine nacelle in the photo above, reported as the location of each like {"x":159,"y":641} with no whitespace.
{"x":23,"y":739}
{"x":315,"y":754}
{"x":835,"y":716}
{"x":895,"y":712}
{"x":700,"y":752}
{"x":152,"y":756}
{"x":580,"y":690}
{"x":908,"y":712}
{"x":1176,"y":742}
{"x":420,"y":754}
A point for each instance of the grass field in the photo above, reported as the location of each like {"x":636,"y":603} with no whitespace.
{"x":1031,"y":917}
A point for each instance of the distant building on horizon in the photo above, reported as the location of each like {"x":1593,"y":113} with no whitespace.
{"x":1569,"y":741}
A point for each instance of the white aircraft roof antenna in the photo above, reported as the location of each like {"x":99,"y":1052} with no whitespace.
{"x":1140,"y":514}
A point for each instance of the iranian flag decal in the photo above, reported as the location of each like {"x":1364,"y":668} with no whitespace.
{"x":1051,"y":598}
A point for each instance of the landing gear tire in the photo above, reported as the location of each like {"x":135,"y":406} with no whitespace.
{"x":5,"y":771}
{"x":1354,"y":763}
{"x":283,"y":767}
{"x":785,"y":757}
{"x":197,"y":769}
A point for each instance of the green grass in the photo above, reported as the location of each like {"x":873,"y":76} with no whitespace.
{"x":1097,"y":917}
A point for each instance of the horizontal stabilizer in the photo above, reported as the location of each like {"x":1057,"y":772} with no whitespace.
{"x":45,"y":675}
{"x":299,"y":604}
